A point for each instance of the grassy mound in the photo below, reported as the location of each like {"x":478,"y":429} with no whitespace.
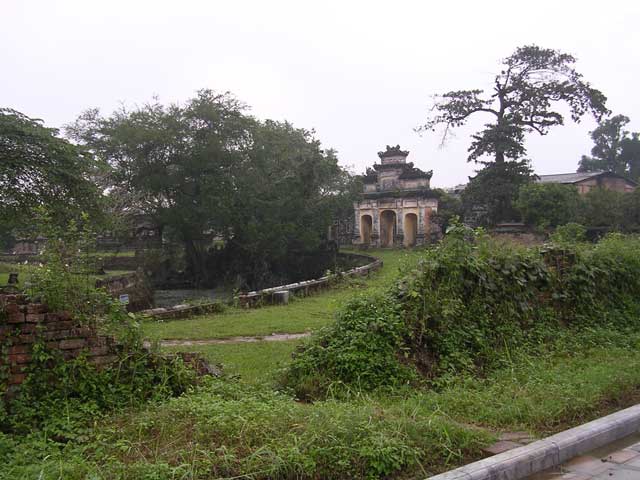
{"x":468,"y":308}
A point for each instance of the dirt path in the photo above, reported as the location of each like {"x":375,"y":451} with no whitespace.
{"x":274,"y":337}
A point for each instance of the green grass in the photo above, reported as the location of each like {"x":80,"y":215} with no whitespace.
{"x":225,"y":428}
{"x":254,"y":363}
{"x":301,"y":315}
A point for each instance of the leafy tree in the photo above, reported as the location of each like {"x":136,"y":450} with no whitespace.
{"x":206,"y":169}
{"x":38,"y":169}
{"x":630,"y":155}
{"x":548,"y":205}
{"x":631,"y":211}
{"x":179,"y":163}
{"x":489,"y":196}
{"x":532,"y":80}
{"x":449,"y":206}
{"x":614,"y":150}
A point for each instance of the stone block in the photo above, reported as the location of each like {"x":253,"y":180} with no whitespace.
{"x":26,"y":338}
{"x":36,"y":308}
{"x":57,"y":335}
{"x":35,"y":317}
{"x":99,"y":351}
{"x":60,"y":325}
{"x":103,"y":360}
{"x":15,"y":349}
{"x":17,"y":378}
{"x":622,"y":456}
{"x":72,"y":343}
{"x":28,"y":327}
{"x":15,"y":318}
{"x":19,"y":358}
{"x":52,"y":317}
{"x":10,"y":308}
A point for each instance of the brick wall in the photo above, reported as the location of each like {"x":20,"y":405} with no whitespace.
{"x":21,"y":323}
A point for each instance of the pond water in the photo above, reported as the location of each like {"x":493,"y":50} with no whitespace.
{"x":169,"y":298}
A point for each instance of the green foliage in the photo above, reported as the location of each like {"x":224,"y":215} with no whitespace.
{"x":449,"y":206}
{"x":614,"y":150}
{"x":603,"y":208}
{"x":548,"y":205}
{"x":207,"y":169}
{"x":198,"y":437}
{"x":569,"y":233}
{"x":469,"y":307}
{"x":65,"y":279}
{"x":38,"y":169}
{"x":58,"y":397}
{"x":531,"y":81}
{"x":494,"y":191}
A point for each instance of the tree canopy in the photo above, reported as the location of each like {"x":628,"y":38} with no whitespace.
{"x":525,"y":93}
{"x":615,"y":149}
{"x":40,"y":170}
{"x":206,"y":170}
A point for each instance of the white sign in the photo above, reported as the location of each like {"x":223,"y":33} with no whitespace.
{"x":124,"y":299}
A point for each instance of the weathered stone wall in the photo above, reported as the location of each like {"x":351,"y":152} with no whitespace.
{"x":23,"y":323}
{"x":270,"y":296}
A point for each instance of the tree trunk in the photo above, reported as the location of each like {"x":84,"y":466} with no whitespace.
{"x":195,"y":258}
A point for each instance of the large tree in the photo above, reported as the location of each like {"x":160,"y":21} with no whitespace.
{"x":524,"y":97}
{"x":40,"y":170}
{"x":206,"y":169}
{"x":615,"y":149}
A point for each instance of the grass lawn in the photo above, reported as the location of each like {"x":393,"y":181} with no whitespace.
{"x":254,"y":362}
{"x":301,"y":315}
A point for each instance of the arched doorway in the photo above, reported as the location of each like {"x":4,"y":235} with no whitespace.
{"x":387,"y":228}
{"x":366,"y":227}
{"x":410,"y":229}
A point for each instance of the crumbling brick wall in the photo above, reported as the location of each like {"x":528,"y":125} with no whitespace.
{"x":22,"y":323}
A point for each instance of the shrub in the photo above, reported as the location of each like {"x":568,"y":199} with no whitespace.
{"x":548,"y":205}
{"x":468,"y":307}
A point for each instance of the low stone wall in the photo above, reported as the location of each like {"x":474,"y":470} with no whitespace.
{"x":182,"y":311}
{"x":270,"y":296}
{"x":134,"y":284}
{"x":21,"y":323}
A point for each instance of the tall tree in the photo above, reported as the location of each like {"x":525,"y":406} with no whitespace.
{"x":607,"y":138}
{"x":615,"y":149}
{"x":206,"y":168}
{"x":40,"y":170}
{"x":531,"y":83}
{"x":179,"y":163}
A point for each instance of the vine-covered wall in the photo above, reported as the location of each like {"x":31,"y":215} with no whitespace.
{"x":23,"y":324}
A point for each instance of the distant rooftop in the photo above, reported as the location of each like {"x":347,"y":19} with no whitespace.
{"x":568,"y":177}
{"x":393,"y":152}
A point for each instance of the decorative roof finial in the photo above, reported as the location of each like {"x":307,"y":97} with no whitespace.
{"x":393,"y":152}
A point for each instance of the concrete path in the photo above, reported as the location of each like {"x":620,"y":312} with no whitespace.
{"x":606,"y":448}
{"x":619,"y":460}
{"x":274,"y":337}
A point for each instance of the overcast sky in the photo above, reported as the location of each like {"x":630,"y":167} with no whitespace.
{"x":360,"y":73}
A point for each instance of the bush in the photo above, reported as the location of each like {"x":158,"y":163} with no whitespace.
{"x":468,"y":307}
{"x":548,"y":204}
{"x":602,"y":208}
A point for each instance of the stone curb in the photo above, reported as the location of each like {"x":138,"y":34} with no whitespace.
{"x":551,"y":451}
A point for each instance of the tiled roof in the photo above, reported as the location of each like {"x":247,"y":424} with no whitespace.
{"x":568,"y":177}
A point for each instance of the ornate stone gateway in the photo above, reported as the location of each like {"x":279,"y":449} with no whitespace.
{"x":397,"y":203}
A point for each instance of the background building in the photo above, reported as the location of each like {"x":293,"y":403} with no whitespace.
{"x":397,"y":203}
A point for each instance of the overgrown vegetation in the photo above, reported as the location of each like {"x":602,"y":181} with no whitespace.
{"x":60,"y":398}
{"x":467,"y":309}
{"x":551,"y":205}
